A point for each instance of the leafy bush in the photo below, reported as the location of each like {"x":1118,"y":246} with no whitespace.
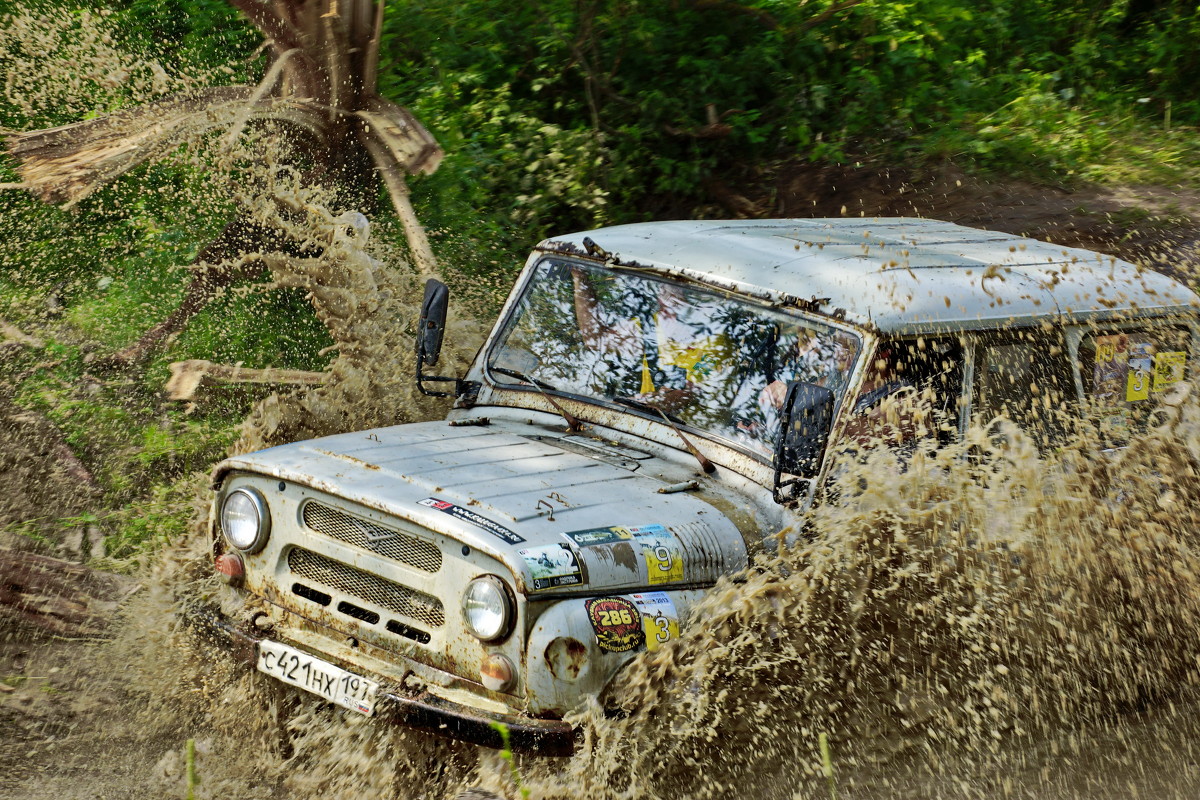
{"x":651,"y":102}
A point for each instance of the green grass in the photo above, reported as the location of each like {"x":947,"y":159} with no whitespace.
{"x":92,"y":285}
{"x":1041,"y":136}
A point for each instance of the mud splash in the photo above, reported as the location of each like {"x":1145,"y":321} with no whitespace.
{"x":979,"y":602}
{"x":64,"y":63}
{"x":980,"y":621}
{"x":368,"y":298}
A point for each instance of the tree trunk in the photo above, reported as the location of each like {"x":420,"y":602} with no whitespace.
{"x":321,"y":85}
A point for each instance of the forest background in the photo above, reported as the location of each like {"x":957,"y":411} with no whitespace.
{"x":554,"y":116}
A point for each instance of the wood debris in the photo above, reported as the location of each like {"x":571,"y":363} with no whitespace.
{"x":188,"y":377}
{"x":57,"y":596}
{"x":12,"y":333}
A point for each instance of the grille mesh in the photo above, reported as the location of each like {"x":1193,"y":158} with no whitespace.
{"x":357,"y":583}
{"x":369,"y":536}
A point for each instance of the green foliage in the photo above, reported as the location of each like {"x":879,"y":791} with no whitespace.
{"x":148,"y":522}
{"x":567,"y":114}
{"x":189,"y":31}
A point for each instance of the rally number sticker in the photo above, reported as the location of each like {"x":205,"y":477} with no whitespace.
{"x":553,"y":566}
{"x":1137,"y":384}
{"x":660,"y":622}
{"x":661,"y":550}
{"x":617,"y":623}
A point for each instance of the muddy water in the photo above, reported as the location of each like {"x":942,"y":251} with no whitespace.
{"x":1004,"y":625}
{"x":983,"y":622}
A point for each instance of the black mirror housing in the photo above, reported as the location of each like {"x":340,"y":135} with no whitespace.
{"x":804,"y":435}
{"x":432,"y":326}
{"x":431,"y":329}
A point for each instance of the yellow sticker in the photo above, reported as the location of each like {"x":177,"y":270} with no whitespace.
{"x":1141,"y":370}
{"x":1169,"y":369}
{"x":1137,"y":386}
{"x":659,"y":631}
{"x":660,"y":622}
{"x":663,"y":554}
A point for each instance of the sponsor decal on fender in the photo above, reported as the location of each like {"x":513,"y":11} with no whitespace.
{"x":659,"y":618}
{"x":617,"y":623}
{"x":661,"y":549}
{"x":553,"y":566}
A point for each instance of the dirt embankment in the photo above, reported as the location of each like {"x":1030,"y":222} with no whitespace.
{"x":1154,"y":226}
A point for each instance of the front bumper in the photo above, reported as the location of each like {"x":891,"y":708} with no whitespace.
{"x":423,"y":712}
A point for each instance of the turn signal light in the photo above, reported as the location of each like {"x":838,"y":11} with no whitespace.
{"x":497,"y":672}
{"x":230,"y":568}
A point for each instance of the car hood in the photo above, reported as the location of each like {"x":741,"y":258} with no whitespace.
{"x":566,"y":514}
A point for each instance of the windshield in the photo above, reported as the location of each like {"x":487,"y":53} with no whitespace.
{"x":708,"y":361}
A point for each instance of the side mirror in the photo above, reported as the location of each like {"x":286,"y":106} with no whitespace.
{"x":432,"y":325}
{"x":807,"y":422}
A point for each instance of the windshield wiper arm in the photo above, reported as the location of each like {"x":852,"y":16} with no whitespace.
{"x":642,"y":405}
{"x":573,"y":424}
{"x":671,"y":420}
{"x":513,"y":373}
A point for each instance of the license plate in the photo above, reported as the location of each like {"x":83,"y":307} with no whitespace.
{"x":319,"y":677}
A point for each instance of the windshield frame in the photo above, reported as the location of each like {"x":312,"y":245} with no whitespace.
{"x":760,"y":447}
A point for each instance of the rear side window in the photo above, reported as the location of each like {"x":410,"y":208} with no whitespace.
{"x":1026,"y":378}
{"x":1126,"y":373}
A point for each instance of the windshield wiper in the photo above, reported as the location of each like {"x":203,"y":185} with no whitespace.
{"x":672,"y":421}
{"x":513,"y":373}
{"x":573,"y":424}
{"x":642,"y":405}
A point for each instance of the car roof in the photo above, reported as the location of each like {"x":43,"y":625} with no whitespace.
{"x":895,"y":275}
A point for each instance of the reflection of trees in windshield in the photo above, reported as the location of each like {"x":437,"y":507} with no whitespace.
{"x":713,"y":361}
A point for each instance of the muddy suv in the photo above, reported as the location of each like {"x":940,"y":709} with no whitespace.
{"x":656,"y":402}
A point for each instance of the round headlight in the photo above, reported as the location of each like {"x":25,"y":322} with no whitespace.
{"x":245,"y":520}
{"x":487,"y":609}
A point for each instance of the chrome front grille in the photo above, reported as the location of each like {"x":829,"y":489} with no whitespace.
{"x":368,"y":535}
{"x":371,"y":588}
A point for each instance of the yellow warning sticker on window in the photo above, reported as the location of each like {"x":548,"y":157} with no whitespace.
{"x":1169,"y":369}
{"x":1110,"y":375}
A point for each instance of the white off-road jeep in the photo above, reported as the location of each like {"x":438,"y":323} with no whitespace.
{"x":656,"y":402}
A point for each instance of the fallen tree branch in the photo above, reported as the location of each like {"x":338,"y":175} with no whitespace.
{"x":187,"y":377}
{"x":56,"y":596}
{"x":397,"y":189}
{"x":57,"y":446}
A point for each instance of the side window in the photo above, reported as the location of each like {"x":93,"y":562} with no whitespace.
{"x":1026,"y":378}
{"x":935,"y":366}
{"x":1125,"y":374}
{"x":929,"y":371}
